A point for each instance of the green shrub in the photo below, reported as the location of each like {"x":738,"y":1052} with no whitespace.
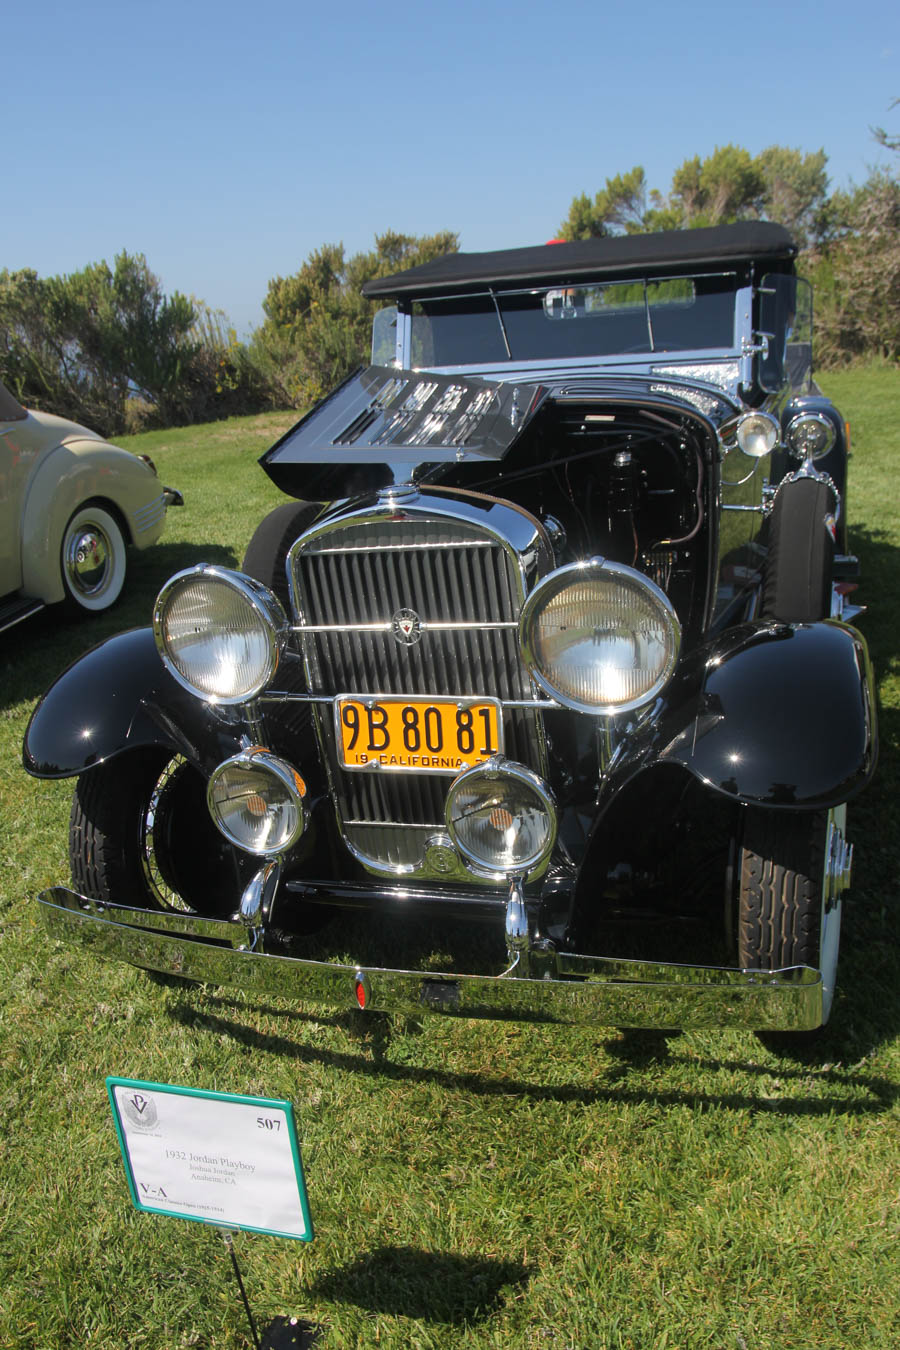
{"x":857,"y":278}
{"x":318,"y":325}
{"x":105,"y":347}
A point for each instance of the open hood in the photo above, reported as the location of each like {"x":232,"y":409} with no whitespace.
{"x":384,"y":426}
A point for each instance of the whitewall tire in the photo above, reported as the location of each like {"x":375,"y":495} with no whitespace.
{"x":93,"y":560}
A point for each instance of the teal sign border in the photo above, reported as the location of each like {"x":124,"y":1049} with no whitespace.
{"x":267,"y":1103}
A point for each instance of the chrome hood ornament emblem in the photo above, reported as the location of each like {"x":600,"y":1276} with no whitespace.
{"x":406,"y":627}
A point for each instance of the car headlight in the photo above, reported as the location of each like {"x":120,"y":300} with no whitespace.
{"x":257,"y":802}
{"x":501,"y":817}
{"x":599,"y":637}
{"x":810,"y":435}
{"x":219,"y":633}
{"x":757,"y":433}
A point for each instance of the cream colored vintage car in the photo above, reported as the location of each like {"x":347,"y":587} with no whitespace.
{"x":70,"y":504}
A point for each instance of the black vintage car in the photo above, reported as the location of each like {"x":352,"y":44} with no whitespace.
{"x":548,"y":647}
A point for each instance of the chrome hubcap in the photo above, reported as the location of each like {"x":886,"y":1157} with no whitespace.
{"x":87,"y":560}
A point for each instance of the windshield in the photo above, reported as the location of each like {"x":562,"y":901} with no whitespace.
{"x":786,"y":327}
{"x":601,"y":319}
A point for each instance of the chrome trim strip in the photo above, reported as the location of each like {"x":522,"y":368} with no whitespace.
{"x":173,"y":922}
{"x":546,"y":370}
{"x":425,"y":626}
{"x":395,"y":824}
{"x":408,"y":548}
{"x":145,"y":517}
{"x":26,"y":613}
{"x":593,"y":990}
{"x":285,"y":696}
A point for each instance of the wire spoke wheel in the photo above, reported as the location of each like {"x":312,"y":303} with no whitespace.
{"x":140,"y":834}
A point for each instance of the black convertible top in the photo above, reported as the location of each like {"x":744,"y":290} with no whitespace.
{"x":744,"y":242}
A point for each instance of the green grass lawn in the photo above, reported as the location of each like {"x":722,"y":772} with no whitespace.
{"x":480,"y":1185}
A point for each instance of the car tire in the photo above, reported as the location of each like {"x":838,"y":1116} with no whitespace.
{"x":140,"y":834}
{"x":268,"y":549}
{"x":92,"y":558}
{"x":797,"y":585}
{"x":791,"y":874}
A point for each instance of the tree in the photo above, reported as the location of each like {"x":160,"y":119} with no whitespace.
{"x":857,"y":277}
{"x":82,"y":345}
{"x":317,"y":327}
{"x":795,"y":191}
{"x":881,"y":136}
{"x":106,"y":347}
{"x":730,"y":184}
{"x":131,"y":338}
{"x":726,"y":186}
{"x":619,"y":206}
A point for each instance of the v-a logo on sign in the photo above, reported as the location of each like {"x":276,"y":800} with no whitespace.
{"x":153,"y":1192}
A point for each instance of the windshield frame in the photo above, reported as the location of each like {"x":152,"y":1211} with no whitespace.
{"x":500,"y":342}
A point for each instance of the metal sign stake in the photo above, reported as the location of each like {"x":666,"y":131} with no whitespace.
{"x":228,"y":1239}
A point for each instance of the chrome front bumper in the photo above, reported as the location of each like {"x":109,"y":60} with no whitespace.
{"x":600,"y":991}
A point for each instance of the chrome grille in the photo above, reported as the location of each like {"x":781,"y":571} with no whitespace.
{"x":349,"y":581}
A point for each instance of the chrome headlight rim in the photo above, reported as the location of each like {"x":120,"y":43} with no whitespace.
{"x":805,"y":419}
{"x":555,"y":582}
{"x":752,"y":423}
{"x":258,"y":757}
{"x":495,"y":770}
{"x":738,"y":430}
{"x":274,"y":627}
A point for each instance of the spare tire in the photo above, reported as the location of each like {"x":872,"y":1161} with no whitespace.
{"x":267,"y":551}
{"x":797,"y":585}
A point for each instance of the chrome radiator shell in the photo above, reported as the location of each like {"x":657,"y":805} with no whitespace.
{"x":462,"y":565}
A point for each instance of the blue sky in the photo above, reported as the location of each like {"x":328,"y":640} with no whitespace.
{"x":226,"y":141}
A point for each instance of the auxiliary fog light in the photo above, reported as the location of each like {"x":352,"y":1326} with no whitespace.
{"x":501,"y":817}
{"x":219,"y":633}
{"x":257,"y":802}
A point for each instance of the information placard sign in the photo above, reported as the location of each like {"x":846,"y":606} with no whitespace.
{"x":211,"y":1156}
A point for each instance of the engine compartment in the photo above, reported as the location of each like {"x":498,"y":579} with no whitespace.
{"x":617,"y":480}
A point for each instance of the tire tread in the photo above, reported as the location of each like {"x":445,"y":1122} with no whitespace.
{"x":104,"y":848}
{"x":780,"y":890}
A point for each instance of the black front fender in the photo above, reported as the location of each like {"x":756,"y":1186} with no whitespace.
{"x":120,"y":697}
{"x":779,"y":715}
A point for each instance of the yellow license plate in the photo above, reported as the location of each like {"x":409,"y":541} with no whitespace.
{"x":428,"y":735}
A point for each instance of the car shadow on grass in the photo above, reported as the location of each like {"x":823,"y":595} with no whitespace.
{"x":434,"y":1287}
{"x":798,"y":1092}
